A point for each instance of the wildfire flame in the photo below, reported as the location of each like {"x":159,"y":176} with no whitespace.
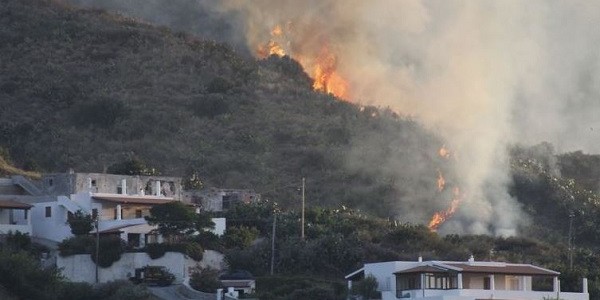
{"x":325,"y":77}
{"x":322,"y":65}
{"x":441,"y":216}
{"x":444,"y":152}
{"x":441,"y":181}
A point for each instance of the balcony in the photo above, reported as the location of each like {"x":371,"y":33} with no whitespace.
{"x":487,"y":294}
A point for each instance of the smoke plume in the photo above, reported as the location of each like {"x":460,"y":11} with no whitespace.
{"x":483,"y":74}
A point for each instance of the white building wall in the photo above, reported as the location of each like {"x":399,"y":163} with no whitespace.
{"x":81,"y":268}
{"x":55,"y":227}
{"x":220,"y":226}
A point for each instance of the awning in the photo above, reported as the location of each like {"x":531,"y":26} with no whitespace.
{"x":14,"y":204}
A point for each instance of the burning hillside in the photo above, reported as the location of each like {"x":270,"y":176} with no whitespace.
{"x":321,"y":65}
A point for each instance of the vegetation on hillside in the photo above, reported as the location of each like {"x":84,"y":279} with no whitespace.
{"x":85,"y":89}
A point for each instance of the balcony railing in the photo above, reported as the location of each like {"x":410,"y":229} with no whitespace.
{"x":489,"y":294}
{"x":24,"y":228}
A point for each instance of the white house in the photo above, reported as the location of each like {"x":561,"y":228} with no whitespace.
{"x":470,"y":280}
{"x":120,"y":202}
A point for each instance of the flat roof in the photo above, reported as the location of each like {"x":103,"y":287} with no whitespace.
{"x":512,"y":269}
{"x":14,"y":204}
{"x":129,"y":199}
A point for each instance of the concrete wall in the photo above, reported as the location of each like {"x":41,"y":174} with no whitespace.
{"x":81,"y":268}
{"x":73,"y":183}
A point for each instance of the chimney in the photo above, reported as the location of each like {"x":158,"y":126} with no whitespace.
{"x":420,"y":259}
{"x":157,"y":188}
{"x":123,"y":186}
{"x":471,"y":259}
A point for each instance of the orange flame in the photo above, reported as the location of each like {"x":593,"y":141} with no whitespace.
{"x":325,"y":77}
{"x":270,"y":48}
{"x":441,"y":181}
{"x":444,"y":152}
{"x":322,"y":65}
{"x":441,"y":216}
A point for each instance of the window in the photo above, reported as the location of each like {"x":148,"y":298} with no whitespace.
{"x":50,"y":182}
{"x":138,"y":213}
{"x":94,"y":213}
{"x":25,"y":214}
{"x":512,"y":283}
{"x":48,"y":211}
{"x":487,"y":283}
{"x":133,"y":240}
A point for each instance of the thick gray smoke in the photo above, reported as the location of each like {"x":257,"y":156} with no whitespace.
{"x":483,"y":74}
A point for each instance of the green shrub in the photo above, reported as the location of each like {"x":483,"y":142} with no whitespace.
{"x":156,"y":250}
{"x":367,"y":287}
{"x":240,"y":237}
{"x":205,"y":280}
{"x":121,"y":290}
{"x":77,"y":245}
{"x":194,"y":251}
{"x":80,"y":223}
{"x":111,"y":248}
{"x":18,"y":241}
{"x":209,"y":240}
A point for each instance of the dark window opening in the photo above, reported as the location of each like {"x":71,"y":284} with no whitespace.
{"x":25,"y":214}
{"x":133,"y":240}
{"x":48,"y":211}
{"x":487,"y":283}
{"x":94,"y":213}
{"x":138,"y":213}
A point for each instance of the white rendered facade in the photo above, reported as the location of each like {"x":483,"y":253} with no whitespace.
{"x":443,"y":280}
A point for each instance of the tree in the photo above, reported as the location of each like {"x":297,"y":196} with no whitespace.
{"x":175,"y":219}
{"x":367,"y":287}
{"x":240,"y":237}
{"x":80,"y":223}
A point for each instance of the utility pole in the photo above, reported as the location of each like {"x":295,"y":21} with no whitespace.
{"x":571,"y":215}
{"x":273,"y":242}
{"x":97,"y":246}
{"x":303,"y":200}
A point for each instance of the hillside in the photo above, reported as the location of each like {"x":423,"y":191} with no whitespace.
{"x":85,"y":89}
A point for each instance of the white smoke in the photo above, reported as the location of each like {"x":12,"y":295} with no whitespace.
{"x":482,"y":73}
